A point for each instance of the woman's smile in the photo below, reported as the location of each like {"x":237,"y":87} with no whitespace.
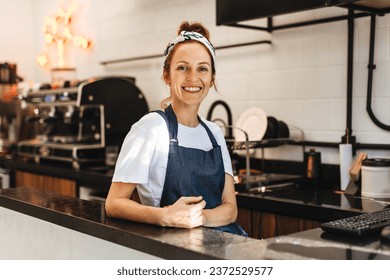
{"x":192,"y":89}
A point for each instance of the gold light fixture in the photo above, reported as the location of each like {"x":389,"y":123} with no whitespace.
{"x":57,"y":31}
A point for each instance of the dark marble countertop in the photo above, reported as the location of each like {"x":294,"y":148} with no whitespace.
{"x":319,"y":205}
{"x":303,"y":201}
{"x":89,"y":217}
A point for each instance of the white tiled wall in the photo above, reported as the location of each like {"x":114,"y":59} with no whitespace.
{"x":301,"y":78}
{"x":17,"y":36}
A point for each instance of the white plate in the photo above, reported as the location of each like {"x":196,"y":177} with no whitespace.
{"x":254,"y":122}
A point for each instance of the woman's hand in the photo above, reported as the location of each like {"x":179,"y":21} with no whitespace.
{"x":186,"y":212}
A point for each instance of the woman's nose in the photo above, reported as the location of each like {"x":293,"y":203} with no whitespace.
{"x":192,"y":76}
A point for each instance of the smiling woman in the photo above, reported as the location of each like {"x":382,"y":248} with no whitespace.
{"x":177,"y":161}
{"x":193,"y":46}
{"x":190,"y":79}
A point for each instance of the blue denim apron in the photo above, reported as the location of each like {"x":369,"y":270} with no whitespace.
{"x":194,"y":172}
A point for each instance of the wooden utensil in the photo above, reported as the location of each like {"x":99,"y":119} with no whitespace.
{"x":354,"y":172}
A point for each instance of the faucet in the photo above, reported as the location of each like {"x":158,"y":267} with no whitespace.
{"x":229,"y":126}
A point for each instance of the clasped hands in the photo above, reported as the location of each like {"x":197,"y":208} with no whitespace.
{"x":186,"y":212}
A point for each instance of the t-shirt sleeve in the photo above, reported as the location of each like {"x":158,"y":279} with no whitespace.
{"x":137,"y":150}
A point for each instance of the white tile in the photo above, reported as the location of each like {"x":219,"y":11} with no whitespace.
{"x":381,"y":51}
{"x":301,"y":78}
{"x":305,"y":84}
{"x":316,"y":114}
{"x":339,"y":48}
{"x":291,"y":53}
{"x":332,"y":82}
{"x":316,"y":51}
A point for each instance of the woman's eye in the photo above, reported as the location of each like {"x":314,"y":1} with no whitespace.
{"x":182,"y":67}
{"x":203,"y":69}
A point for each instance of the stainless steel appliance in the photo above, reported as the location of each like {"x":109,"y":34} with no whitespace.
{"x":75,"y":125}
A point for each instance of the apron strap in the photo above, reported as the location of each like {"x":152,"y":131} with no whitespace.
{"x":172,"y":129}
{"x":211,"y":136}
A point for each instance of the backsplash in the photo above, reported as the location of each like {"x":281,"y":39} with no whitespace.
{"x":301,"y":78}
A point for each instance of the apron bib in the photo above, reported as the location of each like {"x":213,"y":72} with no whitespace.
{"x":194,"y":172}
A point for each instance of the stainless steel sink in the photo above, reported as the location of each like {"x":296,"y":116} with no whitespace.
{"x":266,"y":182}
{"x":273,"y":188}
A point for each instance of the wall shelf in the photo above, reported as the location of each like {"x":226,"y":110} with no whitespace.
{"x":136,"y":58}
{"x":232,"y":12}
{"x":372,"y":6}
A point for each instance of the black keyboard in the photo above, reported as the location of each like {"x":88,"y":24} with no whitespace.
{"x":361,"y":225}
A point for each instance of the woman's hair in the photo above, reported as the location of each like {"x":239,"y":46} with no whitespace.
{"x":184,"y":26}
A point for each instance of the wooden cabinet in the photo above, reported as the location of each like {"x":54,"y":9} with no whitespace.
{"x":265,"y":225}
{"x":57,"y":185}
{"x":244,"y":219}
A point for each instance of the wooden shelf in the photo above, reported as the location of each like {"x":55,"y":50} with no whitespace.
{"x":235,"y":13}
{"x":374,"y":6}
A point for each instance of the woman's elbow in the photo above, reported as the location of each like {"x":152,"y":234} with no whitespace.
{"x":109,"y":208}
{"x":233,"y":214}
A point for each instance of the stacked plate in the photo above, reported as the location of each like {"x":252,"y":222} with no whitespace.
{"x":253,"y":122}
{"x":276,"y":129}
{"x":258,"y":126}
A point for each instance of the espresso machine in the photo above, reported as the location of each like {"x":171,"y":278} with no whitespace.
{"x":75,"y":125}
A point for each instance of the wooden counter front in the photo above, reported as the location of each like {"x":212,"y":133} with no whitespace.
{"x":47,"y":183}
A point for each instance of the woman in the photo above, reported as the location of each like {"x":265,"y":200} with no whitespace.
{"x":178,"y":162}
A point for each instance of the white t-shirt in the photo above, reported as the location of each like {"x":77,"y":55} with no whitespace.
{"x":143,"y":157}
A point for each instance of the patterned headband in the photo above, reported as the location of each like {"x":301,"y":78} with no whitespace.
{"x":190,"y":35}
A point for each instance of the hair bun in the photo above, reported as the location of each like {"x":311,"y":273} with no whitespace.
{"x":194,"y":27}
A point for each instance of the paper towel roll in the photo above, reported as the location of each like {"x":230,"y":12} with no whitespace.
{"x":345,"y":152}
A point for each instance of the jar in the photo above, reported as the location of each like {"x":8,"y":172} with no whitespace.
{"x":376,"y":178}
{"x":312,"y":163}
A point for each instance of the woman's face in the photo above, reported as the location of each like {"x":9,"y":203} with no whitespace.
{"x":190,"y":74}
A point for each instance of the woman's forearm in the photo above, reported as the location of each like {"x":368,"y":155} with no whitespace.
{"x":222,"y":215}
{"x":124,"y":208}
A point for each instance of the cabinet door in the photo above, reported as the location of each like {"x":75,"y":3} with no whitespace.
{"x":266,"y":225}
{"x":57,"y":185}
{"x":244,"y":219}
{"x":308,"y":224}
{"x":261,"y":225}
